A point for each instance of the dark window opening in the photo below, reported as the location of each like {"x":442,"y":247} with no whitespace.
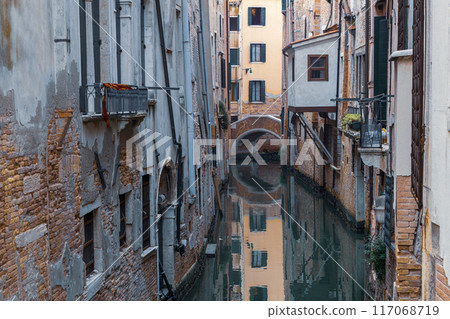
{"x":234,"y":56}
{"x":293,"y":69}
{"x":259,"y":259}
{"x":88,"y":247}
{"x":257,"y":220}
{"x":257,"y":91}
{"x":233,"y":118}
{"x":235,"y":91}
{"x":317,"y":68}
{"x":257,"y":52}
{"x":257,"y":16}
{"x":258,"y":293}
{"x":122,"y":209}
{"x":234,"y":23}
{"x":145,"y":211}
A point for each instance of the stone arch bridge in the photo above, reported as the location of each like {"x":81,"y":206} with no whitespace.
{"x":255,"y":126}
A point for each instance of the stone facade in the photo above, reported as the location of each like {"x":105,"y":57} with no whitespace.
{"x":60,"y":160}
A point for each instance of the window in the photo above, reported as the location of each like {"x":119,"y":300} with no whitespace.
{"x":145,"y":211}
{"x":235,"y":91}
{"x":257,"y":220}
{"x":293,"y":69}
{"x":122,"y":211}
{"x":234,"y":23}
{"x":257,"y":16}
{"x":234,"y":56}
{"x":257,"y":52}
{"x":257,"y":91}
{"x":259,"y":259}
{"x":317,"y":67}
{"x":88,"y":247}
{"x":220,"y":26}
{"x":235,"y":245}
{"x":258,"y":293}
{"x":223,"y":72}
{"x":234,"y":118}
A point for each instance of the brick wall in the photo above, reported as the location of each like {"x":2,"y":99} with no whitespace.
{"x":408,"y":268}
{"x":442,"y":284}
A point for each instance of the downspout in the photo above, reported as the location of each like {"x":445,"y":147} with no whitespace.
{"x":202,"y":22}
{"x":337,"y":82}
{"x":227,"y":17}
{"x":188,"y":94}
{"x":172,"y":123}
{"x":367,"y":48}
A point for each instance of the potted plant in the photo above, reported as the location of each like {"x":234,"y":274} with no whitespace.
{"x":351,"y":121}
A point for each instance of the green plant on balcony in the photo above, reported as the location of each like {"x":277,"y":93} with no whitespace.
{"x":223,"y":115}
{"x":375,"y":251}
{"x":351,"y":121}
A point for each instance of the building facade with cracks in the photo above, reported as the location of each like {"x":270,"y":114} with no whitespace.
{"x":94,"y":206}
{"x":385,"y":140}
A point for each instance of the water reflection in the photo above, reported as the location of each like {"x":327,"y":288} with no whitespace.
{"x":262,"y":254}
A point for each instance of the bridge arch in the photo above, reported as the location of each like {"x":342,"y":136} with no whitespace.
{"x":255,"y":124}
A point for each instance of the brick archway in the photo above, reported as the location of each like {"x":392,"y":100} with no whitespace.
{"x":255,"y":123}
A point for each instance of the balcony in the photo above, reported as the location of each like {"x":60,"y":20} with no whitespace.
{"x":365,"y":120}
{"x":125,"y":101}
{"x":373,"y":113}
{"x":373,"y":137}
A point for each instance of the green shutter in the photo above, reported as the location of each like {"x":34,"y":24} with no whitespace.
{"x":263,"y":53}
{"x":381,"y":47}
{"x":263,"y":16}
{"x":238,"y":19}
{"x":283,"y":5}
{"x":251,"y":53}
{"x":381,"y":38}
{"x":234,"y":56}
{"x":250,"y":89}
{"x":249,"y":16}
{"x":263,"y":91}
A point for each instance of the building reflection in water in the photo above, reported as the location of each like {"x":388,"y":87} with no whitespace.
{"x":262,"y":254}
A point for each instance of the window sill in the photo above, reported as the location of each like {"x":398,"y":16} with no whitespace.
{"x":150,"y":251}
{"x":93,"y":284}
{"x":257,"y":102}
{"x":257,"y":26}
{"x":257,"y":62}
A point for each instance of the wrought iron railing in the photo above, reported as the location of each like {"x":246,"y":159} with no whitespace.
{"x":117,"y":102}
{"x":373,"y":120}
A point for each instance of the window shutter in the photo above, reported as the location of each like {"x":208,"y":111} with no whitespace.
{"x":250,"y":90}
{"x":223,"y":72}
{"x":229,"y":76}
{"x":249,"y":16}
{"x":238,"y":19}
{"x":263,"y":53}
{"x":263,"y":91}
{"x":283,"y":5}
{"x":251,"y":53}
{"x":263,"y":16}
{"x":234,"y":56}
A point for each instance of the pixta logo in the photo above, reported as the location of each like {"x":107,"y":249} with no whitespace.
{"x":146,"y":144}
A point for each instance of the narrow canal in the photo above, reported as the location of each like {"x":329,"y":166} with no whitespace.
{"x":277,"y":240}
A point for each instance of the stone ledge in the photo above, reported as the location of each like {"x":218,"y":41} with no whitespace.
{"x":150,"y":251}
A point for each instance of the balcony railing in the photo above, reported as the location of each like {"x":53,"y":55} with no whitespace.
{"x":117,"y":102}
{"x":373,"y":115}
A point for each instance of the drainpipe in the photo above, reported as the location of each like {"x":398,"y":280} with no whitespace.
{"x":337,"y":76}
{"x":367,"y":47}
{"x":188,"y":93}
{"x":208,"y":129}
{"x":178,"y":164}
